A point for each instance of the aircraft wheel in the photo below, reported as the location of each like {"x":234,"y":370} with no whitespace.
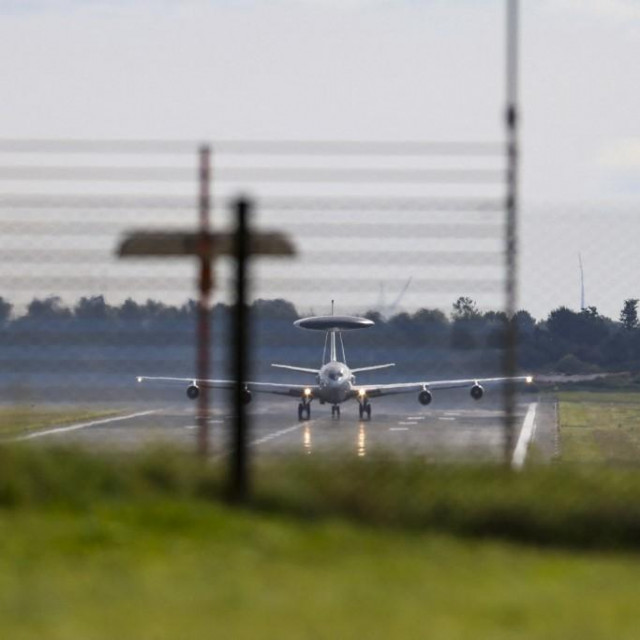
{"x":361,"y":410}
{"x":308,"y":412}
{"x":301,"y":411}
{"x":368,"y":410}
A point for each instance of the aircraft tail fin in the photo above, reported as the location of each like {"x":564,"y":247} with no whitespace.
{"x":374,"y":367}
{"x":292,"y":368}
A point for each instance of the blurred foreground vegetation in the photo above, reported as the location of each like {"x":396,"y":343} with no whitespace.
{"x":562,"y":505}
{"x":170,"y":568}
{"x":146,"y":546}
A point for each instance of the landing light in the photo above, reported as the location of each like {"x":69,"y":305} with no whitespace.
{"x":307,"y":392}
{"x":139,"y":378}
{"x":362,"y":393}
{"x":529,"y":379}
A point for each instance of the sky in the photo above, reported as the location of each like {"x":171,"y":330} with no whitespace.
{"x":364,"y":70}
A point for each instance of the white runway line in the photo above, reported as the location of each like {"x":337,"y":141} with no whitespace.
{"x":416,"y":418}
{"x":276,"y":434}
{"x":84,"y":425}
{"x":407,"y":422}
{"x":398,"y":428}
{"x":270,"y":436}
{"x":526,"y":435}
{"x":446,"y":418}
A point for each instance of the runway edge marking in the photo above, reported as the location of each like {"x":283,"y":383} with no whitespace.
{"x":526,"y":436}
{"x":84,"y":425}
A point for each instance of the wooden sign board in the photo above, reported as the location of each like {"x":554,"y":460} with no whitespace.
{"x":190,"y":243}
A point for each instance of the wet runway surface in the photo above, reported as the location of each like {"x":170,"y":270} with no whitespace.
{"x":450,"y":428}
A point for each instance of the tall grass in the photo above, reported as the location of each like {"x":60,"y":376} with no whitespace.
{"x":558,"y":505}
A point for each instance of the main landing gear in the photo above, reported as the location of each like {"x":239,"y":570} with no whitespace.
{"x":335,"y":411}
{"x":304,"y":411}
{"x":365,"y":410}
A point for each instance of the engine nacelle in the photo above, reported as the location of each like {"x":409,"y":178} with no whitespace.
{"x":246,"y":396}
{"x":192,"y":392}
{"x":425,"y":397}
{"x":477,"y":392}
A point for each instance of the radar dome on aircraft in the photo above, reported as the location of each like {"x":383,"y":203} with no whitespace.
{"x":334,"y":323}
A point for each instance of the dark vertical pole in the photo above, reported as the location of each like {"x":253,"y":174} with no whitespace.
{"x":511,"y":228}
{"x":205,"y":287}
{"x":239,"y":462}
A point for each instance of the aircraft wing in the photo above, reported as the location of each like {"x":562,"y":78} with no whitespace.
{"x":295,"y":390}
{"x":376,"y":390}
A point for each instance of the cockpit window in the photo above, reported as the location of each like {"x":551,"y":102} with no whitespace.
{"x":335,"y":375}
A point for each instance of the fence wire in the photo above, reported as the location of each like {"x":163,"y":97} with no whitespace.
{"x":424,"y":262}
{"x":393,"y":231}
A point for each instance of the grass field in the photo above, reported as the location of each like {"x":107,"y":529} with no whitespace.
{"x":19,"y":419}
{"x":191,"y":569}
{"x":600,"y":427}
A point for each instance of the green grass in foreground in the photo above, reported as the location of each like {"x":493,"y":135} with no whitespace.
{"x":601,"y":427}
{"x":19,"y":419}
{"x":166,"y":568}
{"x":558,"y":505}
{"x":99,"y":546}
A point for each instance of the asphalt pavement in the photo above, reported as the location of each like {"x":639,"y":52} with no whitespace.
{"x":453,"y":427}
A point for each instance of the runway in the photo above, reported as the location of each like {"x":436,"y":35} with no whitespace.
{"x":451,"y":428}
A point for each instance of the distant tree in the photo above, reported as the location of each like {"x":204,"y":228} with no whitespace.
{"x":585,"y":327}
{"x":561,"y":322}
{"x":431,"y":326}
{"x":277,"y":309}
{"x":462,"y":337}
{"x":48,"y":310}
{"x":430,"y":317}
{"x":92,"y":309}
{"x":465,"y":309}
{"x":495,"y":325}
{"x":524,"y":322}
{"x":593,"y":326}
{"x":5,"y":311}
{"x":629,"y":314}
{"x":131,"y":312}
{"x":495,"y":317}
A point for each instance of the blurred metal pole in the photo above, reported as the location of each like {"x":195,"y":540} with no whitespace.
{"x":511,"y":227}
{"x":239,"y":464}
{"x":205,"y":287}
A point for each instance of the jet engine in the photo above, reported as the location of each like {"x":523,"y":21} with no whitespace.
{"x":477,"y":392}
{"x":193,"y":392}
{"x":425,"y":397}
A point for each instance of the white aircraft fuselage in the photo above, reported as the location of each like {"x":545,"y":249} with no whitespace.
{"x":335,"y":383}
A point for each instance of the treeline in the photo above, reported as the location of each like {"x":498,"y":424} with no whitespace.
{"x":565,"y":341}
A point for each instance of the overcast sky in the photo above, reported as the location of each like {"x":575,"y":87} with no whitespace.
{"x":368,"y":70}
